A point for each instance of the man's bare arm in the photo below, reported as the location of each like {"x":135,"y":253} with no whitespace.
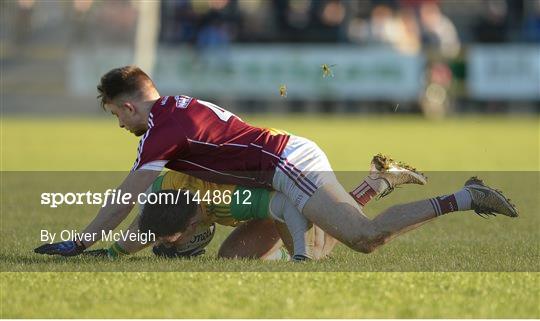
{"x":132,"y":246}
{"x":110,"y":216}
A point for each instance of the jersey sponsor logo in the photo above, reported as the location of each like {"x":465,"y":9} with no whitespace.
{"x":202,"y":237}
{"x":164,"y":100}
{"x":200,"y":240}
{"x":182,"y":101}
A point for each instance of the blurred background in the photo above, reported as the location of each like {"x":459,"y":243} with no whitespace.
{"x":428,"y":57}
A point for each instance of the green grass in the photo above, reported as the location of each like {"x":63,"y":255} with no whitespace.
{"x":466,"y":144}
{"x":503,"y":253}
{"x":270,"y":295}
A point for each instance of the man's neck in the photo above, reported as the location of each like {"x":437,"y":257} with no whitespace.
{"x":147,"y":105}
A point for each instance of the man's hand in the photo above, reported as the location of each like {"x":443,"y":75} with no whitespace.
{"x":66,"y":248}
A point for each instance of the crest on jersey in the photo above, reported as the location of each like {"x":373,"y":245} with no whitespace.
{"x":182,"y":101}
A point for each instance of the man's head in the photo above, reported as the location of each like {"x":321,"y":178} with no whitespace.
{"x":128,"y":93}
{"x":168,"y":219}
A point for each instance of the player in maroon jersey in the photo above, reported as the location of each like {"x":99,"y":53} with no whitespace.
{"x":190,"y":135}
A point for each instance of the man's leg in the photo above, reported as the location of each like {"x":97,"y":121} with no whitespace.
{"x":292,"y":226}
{"x":255,"y":239}
{"x":285,"y":235}
{"x":303,"y":239}
{"x":324,"y":243}
{"x":320,"y":242}
{"x":336,"y":212}
{"x":310,"y":241}
{"x":305,"y":176}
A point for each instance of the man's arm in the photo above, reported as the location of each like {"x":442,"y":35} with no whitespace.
{"x":123,"y":246}
{"x":132,"y":246}
{"x":108,"y":217}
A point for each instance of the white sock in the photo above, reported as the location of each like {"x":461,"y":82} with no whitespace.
{"x":463,"y":199}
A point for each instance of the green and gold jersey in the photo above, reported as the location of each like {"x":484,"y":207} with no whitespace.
{"x":221,"y":203}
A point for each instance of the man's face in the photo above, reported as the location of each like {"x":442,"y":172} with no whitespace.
{"x":178,"y":238}
{"x":170,"y":239}
{"x":129,"y":117}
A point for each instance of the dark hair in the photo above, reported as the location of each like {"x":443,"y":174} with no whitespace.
{"x":170,"y":215}
{"x":124,"y":80}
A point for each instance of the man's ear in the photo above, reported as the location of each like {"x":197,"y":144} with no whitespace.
{"x":129,"y":107}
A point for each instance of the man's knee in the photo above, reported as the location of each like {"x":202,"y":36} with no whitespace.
{"x":369,"y":242}
{"x":364,"y":246}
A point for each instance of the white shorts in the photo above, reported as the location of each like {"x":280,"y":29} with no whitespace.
{"x":302,"y":169}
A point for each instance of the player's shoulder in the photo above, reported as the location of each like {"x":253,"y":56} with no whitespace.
{"x":177,"y":102}
{"x":166,"y":121}
{"x":169,"y":111}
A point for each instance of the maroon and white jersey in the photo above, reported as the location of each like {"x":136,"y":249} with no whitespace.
{"x":194,"y":136}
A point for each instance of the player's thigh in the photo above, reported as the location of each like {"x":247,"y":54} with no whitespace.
{"x":251,"y":239}
{"x":334,"y":211}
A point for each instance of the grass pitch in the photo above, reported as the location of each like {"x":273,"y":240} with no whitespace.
{"x":496,"y":147}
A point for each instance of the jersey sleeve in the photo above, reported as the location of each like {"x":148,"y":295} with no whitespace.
{"x":250,"y":203}
{"x":158,"y":146}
